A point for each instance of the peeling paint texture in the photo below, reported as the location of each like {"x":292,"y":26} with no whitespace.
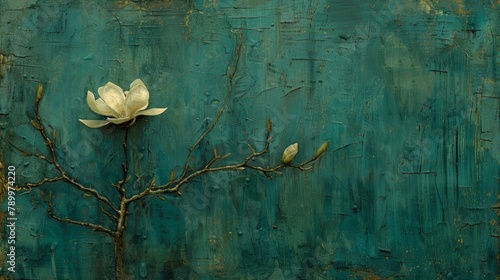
{"x":405,"y":92}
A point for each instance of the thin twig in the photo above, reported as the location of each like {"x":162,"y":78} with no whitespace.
{"x":108,"y":214}
{"x":26,"y":153}
{"x":125,"y":166}
{"x":92,"y":226}
{"x":230,"y":74}
{"x":45,"y":180}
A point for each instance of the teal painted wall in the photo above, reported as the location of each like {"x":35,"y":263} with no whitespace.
{"x":406,"y":93}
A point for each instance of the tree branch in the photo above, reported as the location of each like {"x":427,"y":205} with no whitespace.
{"x":49,"y":142}
{"x":92,"y":226}
{"x":173,"y":186}
{"x":125,"y":166}
{"x":230,"y":74}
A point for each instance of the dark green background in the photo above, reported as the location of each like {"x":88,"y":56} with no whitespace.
{"x":406,"y":93}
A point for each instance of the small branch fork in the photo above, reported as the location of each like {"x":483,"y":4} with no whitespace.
{"x":62,"y":176}
{"x":94,"y":227}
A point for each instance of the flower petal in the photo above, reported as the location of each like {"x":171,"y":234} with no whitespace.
{"x":119,"y":120}
{"x":137,"y":98}
{"x":151,"y":112}
{"x":137,"y":82}
{"x":94,"y":123}
{"x":105,"y":109}
{"x":114,"y":97}
{"x":99,"y":106}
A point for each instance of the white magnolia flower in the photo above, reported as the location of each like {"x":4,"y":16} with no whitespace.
{"x":289,"y":153}
{"x":119,"y":106}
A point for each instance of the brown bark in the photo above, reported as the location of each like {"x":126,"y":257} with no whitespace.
{"x":119,"y":257}
{"x":118,"y":239}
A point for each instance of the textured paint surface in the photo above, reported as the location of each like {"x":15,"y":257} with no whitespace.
{"x":406,"y":93}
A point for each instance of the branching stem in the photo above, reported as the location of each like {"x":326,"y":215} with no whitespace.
{"x":119,"y":214}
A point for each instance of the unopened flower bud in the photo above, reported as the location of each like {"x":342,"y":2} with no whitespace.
{"x":289,"y":153}
{"x":39,"y":93}
{"x":269,"y":125}
{"x":321,"y":149}
{"x":172,"y":176}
